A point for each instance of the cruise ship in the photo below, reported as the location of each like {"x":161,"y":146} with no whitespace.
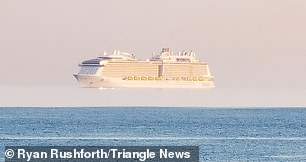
{"x":163,"y":70}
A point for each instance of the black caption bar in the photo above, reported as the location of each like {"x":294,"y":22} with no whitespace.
{"x":101,"y":153}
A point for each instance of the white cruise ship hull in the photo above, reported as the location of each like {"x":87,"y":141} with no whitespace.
{"x":166,"y":70}
{"x":94,"y":81}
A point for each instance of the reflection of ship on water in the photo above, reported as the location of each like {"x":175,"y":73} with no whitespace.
{"x":165,"y":70}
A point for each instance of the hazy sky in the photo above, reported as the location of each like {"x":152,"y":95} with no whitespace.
{"x":256,"y":49}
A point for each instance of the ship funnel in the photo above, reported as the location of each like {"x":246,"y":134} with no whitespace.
{"x":166,"y":50}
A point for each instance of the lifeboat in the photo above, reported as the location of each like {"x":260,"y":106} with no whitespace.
{"x":157,"y":78}
{"x":201,"y":79}
{"x":144,"y":78}
{"x":136,"y":78}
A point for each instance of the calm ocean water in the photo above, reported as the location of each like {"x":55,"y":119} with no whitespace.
{"x":222,"y":134}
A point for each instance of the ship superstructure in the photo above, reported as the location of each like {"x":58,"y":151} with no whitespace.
{"x":164,"y":70}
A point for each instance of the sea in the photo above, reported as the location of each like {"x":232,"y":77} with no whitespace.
{"x":222,"y":134}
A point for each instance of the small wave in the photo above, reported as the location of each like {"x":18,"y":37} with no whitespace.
{"x":288,"y":156}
